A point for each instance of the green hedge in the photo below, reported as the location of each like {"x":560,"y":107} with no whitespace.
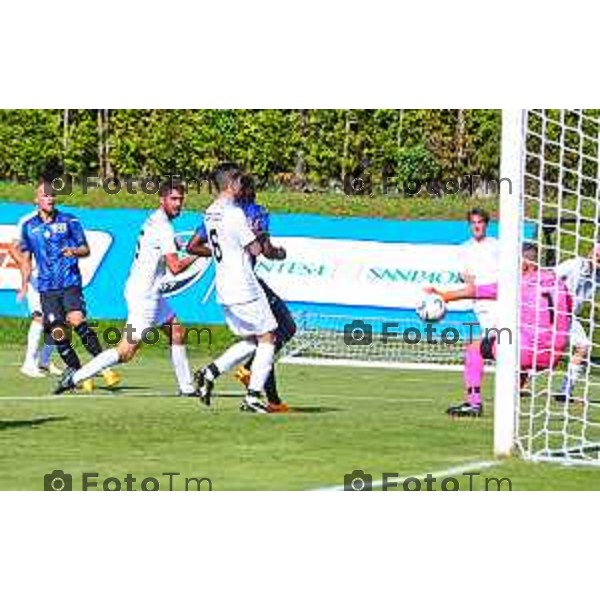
{"x":290,"y":148}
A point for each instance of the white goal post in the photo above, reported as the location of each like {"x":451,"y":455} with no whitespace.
{"x":511,"y":225}
{"x":552,"y":158}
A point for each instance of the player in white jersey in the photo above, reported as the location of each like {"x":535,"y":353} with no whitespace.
{"x":479,"y":259}
{"x":37,"y":360}
{"x":155,"y":253}
{"x":247,"y":311}
{"x":582,"y":278}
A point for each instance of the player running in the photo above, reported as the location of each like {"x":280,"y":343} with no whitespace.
{"x":480,"y":259}
{"x":248,"y":315}
{"x":37,"y":360}
{"x":543,"y":330}
{"x":258,"y":219}
{"x":155,"y":253}
{"x":56,"y":241}
{"x":582,"y":278}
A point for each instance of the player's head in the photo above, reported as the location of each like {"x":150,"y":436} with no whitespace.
{"x":222,"y":173}
{"x":529,"y":256}
{"x":231,"y":184}
{"x":171,"y":198}
{"x":478,"y":219}
{"x":44,"y":197}
{"x":248,"y":192}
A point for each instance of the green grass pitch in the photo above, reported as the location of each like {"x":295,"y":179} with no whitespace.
{"x":344,"y":419}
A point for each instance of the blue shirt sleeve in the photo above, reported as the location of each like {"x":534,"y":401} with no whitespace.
{"x":77,"y":233}
{"x":201,"y":229}
{"x":25,"y":241}
{"x":258,"y":218}
{"x":264,"y":219}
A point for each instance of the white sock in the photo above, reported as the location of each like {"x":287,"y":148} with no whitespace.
{"x":45,"y":354}
{"x":233,"y":356}
{"x":261,"y":366}
{"x":182,"y":368}
{"x":33,"y":341}
{"x":108,"y":358}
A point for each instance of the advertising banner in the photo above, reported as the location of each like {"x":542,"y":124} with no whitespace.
{"x":359,"y":267}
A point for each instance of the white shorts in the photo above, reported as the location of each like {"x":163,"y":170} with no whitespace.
{"x":250,"y":318}
{"x":578,"y":337}
{"x":143,"y":314}
{"x":485,"y":311}
{"x":33,"y":300}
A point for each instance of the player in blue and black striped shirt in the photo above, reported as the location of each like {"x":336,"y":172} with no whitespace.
{"x":57,"y":241}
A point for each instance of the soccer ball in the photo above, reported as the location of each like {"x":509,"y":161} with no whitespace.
{"x":431,"y":308}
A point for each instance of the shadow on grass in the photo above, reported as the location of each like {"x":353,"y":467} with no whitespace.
{"x":123,"y":388}
{"x":28,"y":422}
{"x":313,"y":409}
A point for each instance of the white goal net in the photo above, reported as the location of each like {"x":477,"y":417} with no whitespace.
{"x":558,"y":409}
{"x":343,"y":340}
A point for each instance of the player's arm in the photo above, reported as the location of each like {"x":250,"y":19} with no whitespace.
{"x":198,"y":246}
{"x":14,"y":251}
{"x":269,"y":250}
{"x":168,"y":248}
{"x":79,"y":247}
{"x":177,"y":265}
{"x":469,"y":292}
{"x":259,"y":221}
{"x":565,"y":268}
{"x":25,"y":266}
{"x":23,"y":249}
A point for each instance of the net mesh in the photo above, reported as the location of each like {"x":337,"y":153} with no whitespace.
{"x":377,"y":342}
{"x":558,"y":412}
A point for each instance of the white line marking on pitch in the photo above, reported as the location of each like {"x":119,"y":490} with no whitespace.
{"x":222,"y":394}
{"x":458,"y":470}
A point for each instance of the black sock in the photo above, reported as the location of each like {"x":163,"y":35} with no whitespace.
{"x":89,"y":338}
{"x":271,"y":388}
{"x":214,"y":370}
{"x":68,"y":355}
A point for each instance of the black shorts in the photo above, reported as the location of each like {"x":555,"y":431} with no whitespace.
{"x":286,"y":326}
{"x":486,"y":348}
{"x":57,"y":304}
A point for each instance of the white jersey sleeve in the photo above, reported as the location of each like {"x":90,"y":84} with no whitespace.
{"x":577,"y":273}
{"x":569,"y":271}
{"x":166,"y":239}
{"x":155,"y":241}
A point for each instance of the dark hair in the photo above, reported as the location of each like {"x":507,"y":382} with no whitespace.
{"x":479,"y":212}
{"x":224,"y":174}
{"x":529,"y":247}
{"x":248,"y":187}
{"x":168,"y":186}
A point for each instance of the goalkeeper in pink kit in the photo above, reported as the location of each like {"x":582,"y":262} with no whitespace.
{"x":543,"y":330}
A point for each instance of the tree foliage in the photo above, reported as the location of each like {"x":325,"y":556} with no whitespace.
{"x":310,"y":149}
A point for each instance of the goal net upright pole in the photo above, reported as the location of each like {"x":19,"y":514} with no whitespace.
{"x":511,"y":223}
